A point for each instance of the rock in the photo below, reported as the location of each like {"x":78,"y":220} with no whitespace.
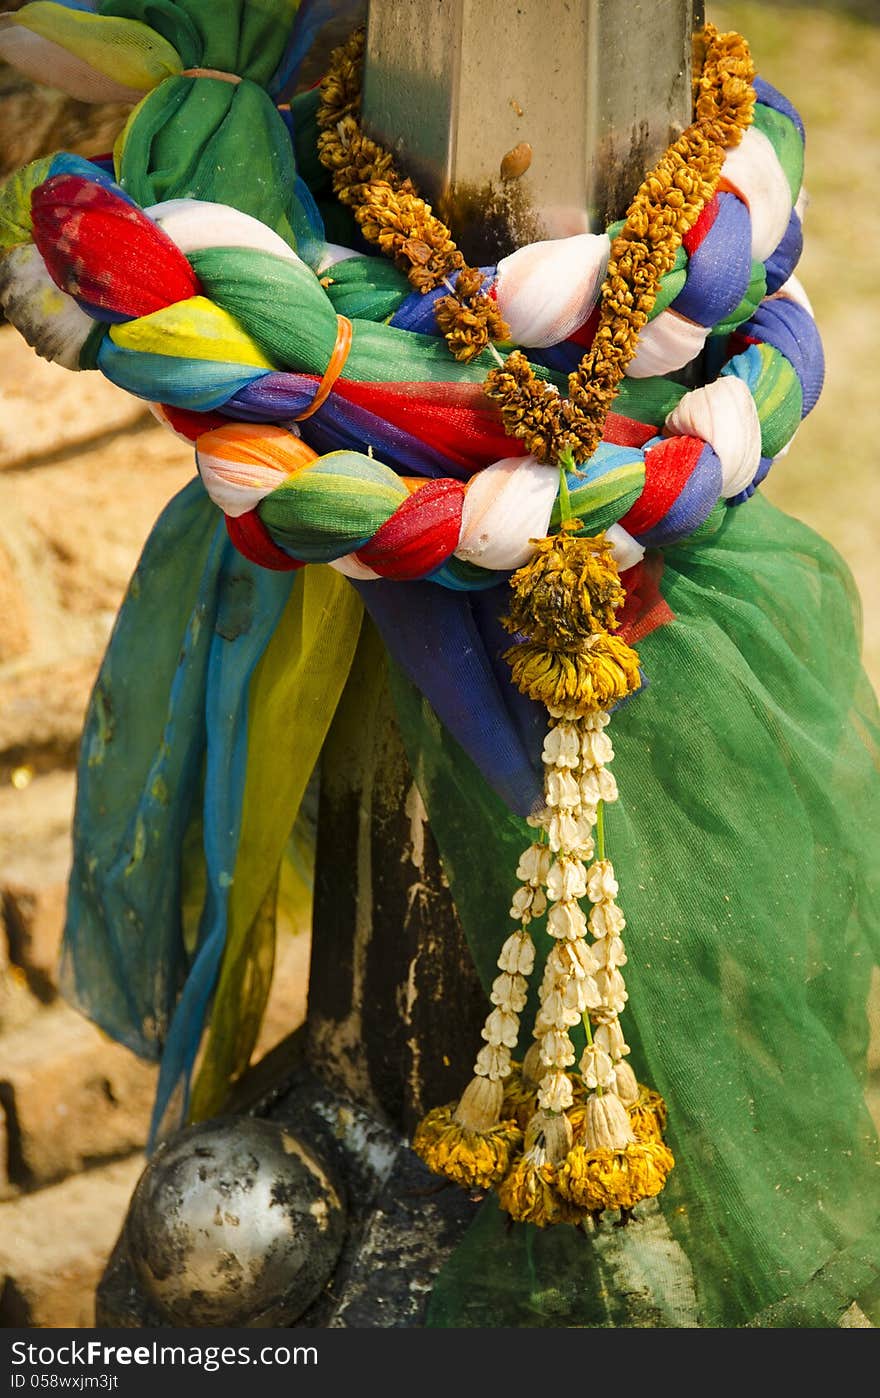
{"x":34,"y":918}
{"x":54,"y":1245}
{"x":15,"y":627}
{"x":39,"y":120}
{"x":71,"y":1097}
{"x":41,"y":714}
{"x":45,"y":408}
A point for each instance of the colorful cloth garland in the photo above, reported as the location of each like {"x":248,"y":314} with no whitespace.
{"x":183,"y":288}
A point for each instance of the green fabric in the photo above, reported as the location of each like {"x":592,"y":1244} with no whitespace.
{"x":218,"y":141}
{"x":233,"y":36}
{"x":287,"y":312}
{"x":746,"y":846}
{"x":211,"y":140}
{"x":786,"y":140}
{"x":755,"y":293}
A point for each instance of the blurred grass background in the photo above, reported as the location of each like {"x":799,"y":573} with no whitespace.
{"x":826,"y":60}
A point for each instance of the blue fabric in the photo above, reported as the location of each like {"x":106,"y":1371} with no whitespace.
{"x":417,"y":311}
{"x":718,"y":271}
{"x":310,"y":19}
{"x":784,"y":258}
{"x":198,"y":384}
{"x":449,"y":644}
{"x":770,"y":96}
{"x":250,"y":601}
{"x":792,"y":330}
{"x":163,"y":750}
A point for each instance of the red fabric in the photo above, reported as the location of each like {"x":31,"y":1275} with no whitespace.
{"x":691,"y":240}
{"x":668,"y":466}
{"x":645,"y":607}
{"x":738,"y":342}
{"x":626,"y":432}
{"x":106,"y":251}
{"x":420,"y":535}
{"x":251,"y":537}
{"x":190,"y":424}
{"x":456,"y":419}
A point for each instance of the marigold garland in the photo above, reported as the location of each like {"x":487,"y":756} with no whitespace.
{"x":667,"y":205}
{"x":391,"y":214}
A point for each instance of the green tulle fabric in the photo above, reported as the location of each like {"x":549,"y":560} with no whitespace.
{"x":746,"y":845}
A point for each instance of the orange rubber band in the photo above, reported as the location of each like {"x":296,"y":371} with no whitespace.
{"x":210,"y":73}
{"x":333,"y":370}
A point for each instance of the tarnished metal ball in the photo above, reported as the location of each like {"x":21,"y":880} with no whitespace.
{"x":234,"y":1222}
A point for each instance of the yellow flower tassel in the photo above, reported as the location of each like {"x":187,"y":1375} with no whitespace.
{"x":612,"y":1170}
{"x":468,"y":1142}
{"x":563,"y":603}
{"x":529,"y":1193}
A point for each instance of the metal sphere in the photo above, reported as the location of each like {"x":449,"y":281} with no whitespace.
{"x":234,"y":1222}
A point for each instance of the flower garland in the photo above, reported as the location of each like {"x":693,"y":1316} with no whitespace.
{"x":665,"y":208}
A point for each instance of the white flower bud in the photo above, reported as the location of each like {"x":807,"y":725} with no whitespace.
{"x":563,"y":831}
{"x":555,"y":712}
{"x":601,"y":883}
{"x":566,"y":878}
{"x":589,"y":784}
{"x":557,"y":1050}
{"x":538,"y":819}
{"x":612,"y":989}
{"x":567,"y":920}
{"x":581,"y":994}
{"x":626,"y":1084}
{"x":610,"y":1038}
{"x":573,"y":959}
{"x":479,"y":1108}
{"x":555,"y":1094}
{"x":596,"y":748}
{"x":521,"y":903}
{"x":561,"y":1015}
{"x":606,"y":1123}
{"x":610,"y":952}
{"x":596,"y":1067}
{"x":597,"y":784}
{"x":534,"y":863}
{"x":517,"y":955}
{"x":501,"y":1027}
{"x":493,"y":1062}
{"x":562,"y":746}
{"x":509,"y":992}
{"x":595,"y":722}
{"x":606,"y":920}
{"x":561,"y":788}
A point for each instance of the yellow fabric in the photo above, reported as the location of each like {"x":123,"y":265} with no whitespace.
{"x":294,"y":694}
{"x":131,"y":53}
{"x":191,"y":329}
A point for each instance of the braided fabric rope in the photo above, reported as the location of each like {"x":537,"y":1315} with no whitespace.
{"x":210,"y":315}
